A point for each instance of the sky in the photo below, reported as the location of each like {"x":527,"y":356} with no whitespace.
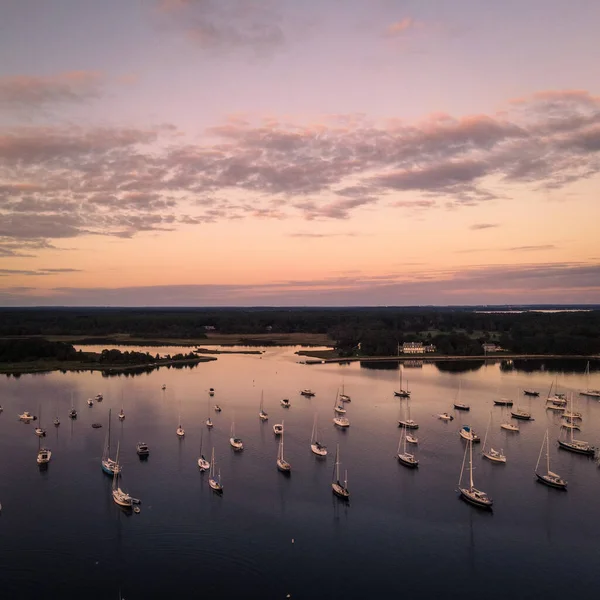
{"x":299,"y":153}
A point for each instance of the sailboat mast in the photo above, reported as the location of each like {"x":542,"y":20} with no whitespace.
{"x":547,"y":452}
{"x":486,"y":432}
{"x":471,"y":462}
{"x":108,"y":442}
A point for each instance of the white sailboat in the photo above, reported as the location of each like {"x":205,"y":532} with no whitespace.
{"x":508,"y":425}
{"x":180,"y":431}
{"x":408,"y":423}
{"x":471,"y":494}
{"x":344,"y":397}
{"x":39,"y":430}
{"x":401,"y":393}
{"x":214,"y":477}
{"x":278,"y":428}
{"x":44,"y":454}
{"x":119,"y":496}
{"x":262,"y":415}
{"x":235,"y":442}
{"x":468,"y":433}
{"x":493,"y":455}
{"x":203,"y":464}
{"x":339,"y":489}
{"x":549,"y":478}
{"x":405,"y":458}
{"x":338,"y":406}
{"x":109,"y":466}
{"x":590,"y":392}
{"x":576,"y":446}
{"x":282,"y":464}
{"x":315,"y":446}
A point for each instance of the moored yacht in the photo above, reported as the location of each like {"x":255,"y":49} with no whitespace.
{"x":445,"y":417}
{"x":307,"y":393}
{"x":471,"y":494}
{"x":235,"y":442}
{"x":339,"y":489}
{"x":278,"y":428}
{"x":142,"y":449}
{"x":468,"y":433}
{"x":285,"y":403}
{"x":549,"y":478}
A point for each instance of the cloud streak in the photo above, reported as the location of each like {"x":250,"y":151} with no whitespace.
{"x":23,"y":92}
{"x":530,"y":283}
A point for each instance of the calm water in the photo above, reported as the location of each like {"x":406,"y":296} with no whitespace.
{"x":403,"y":533}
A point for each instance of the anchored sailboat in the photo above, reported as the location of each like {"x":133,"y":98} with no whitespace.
{"x":549,"y":478}
{"x":458,"y":405}
{"x":235,"y":442}
{"x":591,"y":393}
{"x":214,"y":478}
{"x":406,"y":458}
{"x":109,"y":466}
{"x":315,"y":446}
{"x":262,"y":415}
{"x":203,"y":464}
{"x":401,"y":393}
{"x":338,"y":488}
{"x":282,"y":464}
{"x":491,"y":454}
{"x":577,"y":446}
{"x":44,"y":454}
{"x":471,"y":494}
{"x":119,"y":496}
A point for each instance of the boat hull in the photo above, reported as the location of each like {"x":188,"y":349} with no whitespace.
{"x":402,"y":394}
{"x":461,"y":407}
{"x":321,"y":452}
{"x":521,"y":417}
{"x":576,"y":449}
{"x":284,"y":467}
{"x":340,"y":491}
{"x":408,"y":425}
{"x":551,"y":482}
{"x":499,"y":460}
{"x":407,"y":461}
{"x":503,"y":403}
{"x":215,"y":486}
{"x":466,"y":495}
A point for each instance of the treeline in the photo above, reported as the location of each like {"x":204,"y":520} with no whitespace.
{"x":38,"y":349}
{"x":365,"y":331}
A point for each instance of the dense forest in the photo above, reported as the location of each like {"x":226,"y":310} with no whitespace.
{"x":353,"y":331}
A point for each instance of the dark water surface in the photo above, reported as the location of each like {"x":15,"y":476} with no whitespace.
{"x":404,"y":533}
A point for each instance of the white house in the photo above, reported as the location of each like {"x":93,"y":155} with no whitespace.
{"x":413,"y":348}
{"x":491,"y":347}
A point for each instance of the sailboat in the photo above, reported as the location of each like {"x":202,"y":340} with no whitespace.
{"x":262,"y":415}
{"x":282,"y":464}
{"x":209,"y":422}
{"x":90,"y":402}
{"x":344,"y":397}
{"x":471,"y":494}
{"x":521,"y":413}
{"x":507,"y":425}
{"x":577,"y":446}
{"x":339,"y":489}
{"x":180,"y":431}
{"x":549,"y":478}
{"x":404,"y":457}
{"x":338,"y":406}
{"x":203,"y":464}
{"x":467,"y":433}
{"x":72,"y":412}
{"x":214,"y":479}
{"x":109,"y":466}
{"x":503,"y":402}
{"x":39,"y":431}
{"x":408,"y":423}
{"x":44,"y":454}
{"x":591,"y":393}
{"x":401,"y":393}
{"x":119,"y":496}
{"x":235,"y":442}
{"x":316,"y":447}
{"x":457,"y":404}
{"x":491,"y":454}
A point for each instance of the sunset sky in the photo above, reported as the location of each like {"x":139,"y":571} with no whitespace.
{"x":299,"y":152}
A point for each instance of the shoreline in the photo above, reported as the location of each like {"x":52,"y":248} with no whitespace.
{"x":40,"y":366}
{"x":317,"y":360}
